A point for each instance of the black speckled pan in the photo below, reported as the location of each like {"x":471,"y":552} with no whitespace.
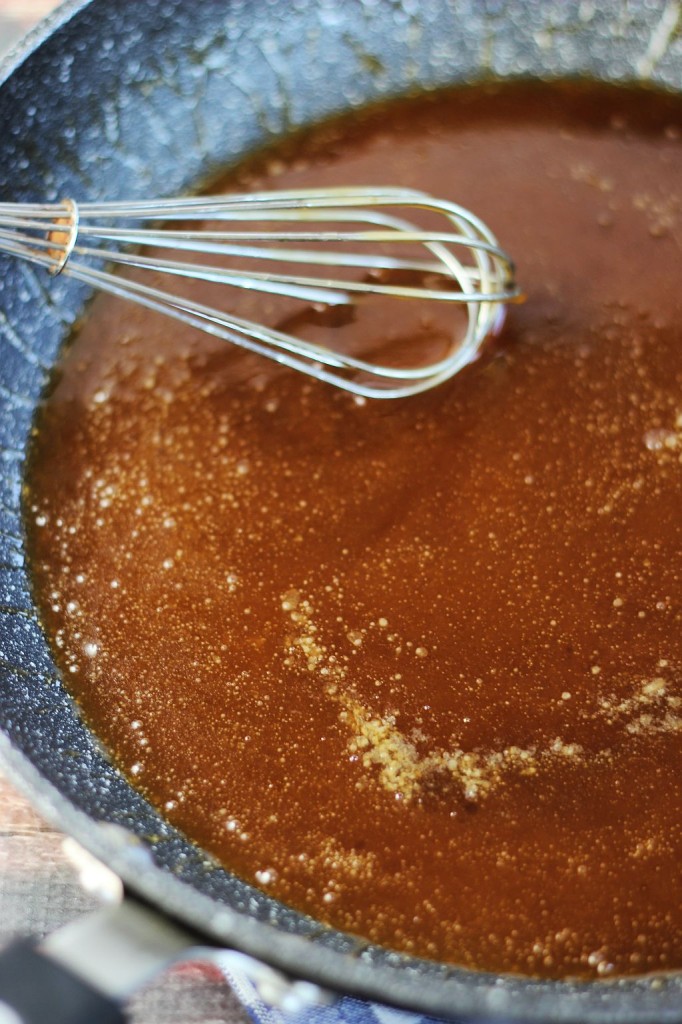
{"x":114,"y":99}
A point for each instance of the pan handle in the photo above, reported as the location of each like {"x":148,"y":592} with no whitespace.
{"x":36,"y":989}
{"x":86,"y":970}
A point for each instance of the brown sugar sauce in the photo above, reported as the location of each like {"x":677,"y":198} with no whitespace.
{"x":414,"y":667}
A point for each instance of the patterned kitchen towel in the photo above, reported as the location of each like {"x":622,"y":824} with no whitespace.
{"x":266,"y":1000}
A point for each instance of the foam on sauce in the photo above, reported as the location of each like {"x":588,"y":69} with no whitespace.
{"x":413,"y":667}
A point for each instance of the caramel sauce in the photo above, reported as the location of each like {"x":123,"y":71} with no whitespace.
{"x":411,"y":667}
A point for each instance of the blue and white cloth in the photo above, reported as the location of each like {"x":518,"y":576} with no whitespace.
{"x":249,"y":985}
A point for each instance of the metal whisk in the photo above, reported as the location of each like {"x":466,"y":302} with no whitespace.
{"x":324,"y":246}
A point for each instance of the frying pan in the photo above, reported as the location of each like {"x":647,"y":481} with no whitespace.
{"x":113,"y":99}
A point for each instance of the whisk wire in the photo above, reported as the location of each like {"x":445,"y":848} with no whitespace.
{"x":376,"y":231}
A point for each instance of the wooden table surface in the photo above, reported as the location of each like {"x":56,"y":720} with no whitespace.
{"x":39,"y":889}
